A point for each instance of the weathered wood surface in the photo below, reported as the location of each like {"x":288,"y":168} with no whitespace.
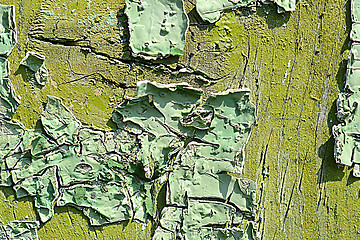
{"x":294,"y":63}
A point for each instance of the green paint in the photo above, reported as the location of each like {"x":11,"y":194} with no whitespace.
{"x":355,"y":10}
{"x":346,"y":134}
{"x":211,"y":11}
{"x":167,"y":132}
{"x":4,"y":68}
{"x":286,"y":5}
{"x":59,"y":122}
{"x":35,"y":62}
{"x":274,"y":40}
{"x":185,"y":183}
{"x":44,"y":189}
{"x":157,"y":28}
{"x":7,"y":29}
{"x":19,"y":230}
{"x":355,"y":32}
{"x":8,"y":99}
{"x":196,"y":221}
{"x":166,"y":128}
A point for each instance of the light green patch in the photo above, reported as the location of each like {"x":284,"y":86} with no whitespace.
{"x":8,"y":99}
{"x":185,"y":183}
{"x":355,"y":32}
{"x":35,"y":62}
{"x":202,"y":219}
{"x":212,"y":10}
{"x":221,"y":234}
{"x":347,"y":133}
{"x":10,"y":138}
{"x":157,"y":28}
{"x":44,"y":189}
{"x":59,"y":122}
{"x":4,"y":68}
{"x":355,"y":10}
{"x":19,"y":230}
{"x":7,"y":29}
{"x":287,"y":5}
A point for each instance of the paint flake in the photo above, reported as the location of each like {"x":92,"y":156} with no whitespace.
{"x":346,"y":134}
{"x":8,"y":37}
{"x":167,"y":134}
{"x":157,"y":28}
{"x":35,"y":62}
{"x":19,"y":230}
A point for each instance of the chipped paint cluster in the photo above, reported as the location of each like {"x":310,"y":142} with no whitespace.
{"x":158,"y":28}
{"x":167,"y":134}
{"x":347,"y":133}
{"x":8,"y":100}
{"x":195,"y":143}
{"x":19,"y":230}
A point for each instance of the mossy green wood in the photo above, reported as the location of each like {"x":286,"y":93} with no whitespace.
{"x":294,"y":72}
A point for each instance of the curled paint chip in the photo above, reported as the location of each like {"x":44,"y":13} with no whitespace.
{"x":8,"y":37}
{"x":20,"y":230}
{"x":44,"y":189}
{"x":157,"y":27}
{"x":58,"y":121}
{"x":9,"y":102}
{"x":35,"y":62}
{"x":211,"y":11}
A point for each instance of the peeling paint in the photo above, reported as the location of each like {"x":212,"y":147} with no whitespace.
{"x":211,"y":11}
{"x":167,"y":132}
{"x":35,"y":62}
{"x":8,"y":99}
{"x":346,"y":134}
{"x":19,"y":230}
{"x":7,"y":29}
{"x":157,"y":28}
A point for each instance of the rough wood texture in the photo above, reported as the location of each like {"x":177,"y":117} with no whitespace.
{"x":294,"y":63}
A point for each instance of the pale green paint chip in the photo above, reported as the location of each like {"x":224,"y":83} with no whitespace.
{"x":7,"y":29}
{"x":19,"y":230}
{"x":59,"y":122}
{"x":157,"y":27}
{"x":44,"y":189}
{"x":212,"y":10}
{"x":4,"y":68}
{"x":355,"y":32}
{"x":35,"y":62}
{"x":8,"y":99}
{"x":355,"y":10}
{"x":286,"y":5}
